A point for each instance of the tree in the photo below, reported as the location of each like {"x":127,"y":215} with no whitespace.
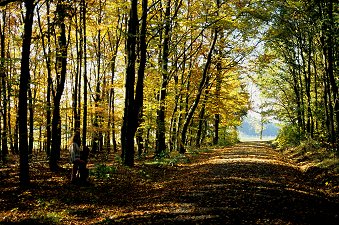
{"x":24,"y":82}
{"x":129,"y":120}
{"x":160,"y":143}
{"x":202,"y":86}
{"x":61,"y":69}
{"x":47,"y":56}
{"x":139,"y":92}
{"x":173,"y":63}
{"x":84,"y":122}
{"x":3,"y":93}
{"x":300,"y":56}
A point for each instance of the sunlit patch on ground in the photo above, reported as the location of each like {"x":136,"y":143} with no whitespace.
{"x":249,"y":183}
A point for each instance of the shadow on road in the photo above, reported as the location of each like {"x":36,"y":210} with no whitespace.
{"x":246,"y":184}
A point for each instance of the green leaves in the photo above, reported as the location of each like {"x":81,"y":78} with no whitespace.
{"x":103,"y":171}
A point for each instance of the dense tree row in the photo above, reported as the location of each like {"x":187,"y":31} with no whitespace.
{"x":299,"y":68}
{"x":164,"y":73}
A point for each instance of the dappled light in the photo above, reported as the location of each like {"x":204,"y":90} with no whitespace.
{"x":249,"y":183}
{"x":169,"y":112}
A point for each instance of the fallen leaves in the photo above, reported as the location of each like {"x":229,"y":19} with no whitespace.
{"x":247,"y":183}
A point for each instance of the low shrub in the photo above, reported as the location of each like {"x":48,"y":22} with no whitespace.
{"x":289,"y":136}
{"x":228,"y":137}
{"x":103,"y":171}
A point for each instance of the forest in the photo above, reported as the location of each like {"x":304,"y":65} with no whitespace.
{"x":151,"y":78}
{"x":168,"y":75}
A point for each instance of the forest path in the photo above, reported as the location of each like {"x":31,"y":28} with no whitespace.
{"x":249,"y":183}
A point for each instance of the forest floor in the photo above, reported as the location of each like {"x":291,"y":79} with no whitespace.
{"x":249,"y":183}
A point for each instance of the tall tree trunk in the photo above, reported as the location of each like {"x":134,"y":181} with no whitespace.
{"x":217,"y":95}
{"x":202,"y":86}
{"x":31,"y":121}
{"x":129,"y":121}
{"x":84,"y":121}
{"x":139,"y":91}
{"x":174,"y":118}
{"x":161,"y":126}
{"x":200,"y":125}
{"x":111,"y":121}
{"x":297,"y":94}
{"x":61,"y":68}
{"x":114,"y":49}
{"x":202,"y":118}
{"x":330,"y":34}
{"x":76,"y":95}
{"x":24,"y":82}
{"x":331,"y":88}
{"x":97,"y":133}
{"x":307,"y":79}
{"x":47,"y":51}
{"x":3,"y":93}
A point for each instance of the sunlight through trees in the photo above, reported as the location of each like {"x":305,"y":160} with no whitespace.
{"x":161,"y":76}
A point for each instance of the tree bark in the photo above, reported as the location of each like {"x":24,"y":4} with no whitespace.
{"x":31,"y":121}
{"x":24,"y":82}
{"x":129,"y":121}
{"x":330,"y":33}
{"x":97,"y":136}
{"x":49,"y":76}
{"x":200,"y":125}
{"x":217,"y":95}
{"x":84,"y":121}
{"x":3,"y":93}
{"x":61,"y":68}
{"x":161,"y":125}
{"x":202,"y":86}
{"x":139,"y":91}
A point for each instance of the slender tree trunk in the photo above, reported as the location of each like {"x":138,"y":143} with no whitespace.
{"x":139,"y":92}
{"x":202,"y":118}
{"x":97,"y":134}
{"x":84,"y":121}
{"x":330,"y":86}
{"x":174,"y":118}
{"x":76,"y":96}
{"x":129,"y":121}
{"x":114,"y":49}
{"x":200,"y":125}
{"x":24,"y":82}
{"x":47,"y":51}
{"x":111,"y":121}
{"x":31,"y":121}
{"x":298,"y":101}
{"x":161,"y":126}
{"x":330,"y":67}
{"x":3,"y":93}
{"x":202,"y":86}
{"x":217,"y":95}
{"x":61,"y":68}
{"x":307,"y":81}
{"x":9,"y":122}
{"x":301,"y":92}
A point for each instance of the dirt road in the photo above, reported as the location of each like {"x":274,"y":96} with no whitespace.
{"x":249,"y":183}
{"x":246,"y":184}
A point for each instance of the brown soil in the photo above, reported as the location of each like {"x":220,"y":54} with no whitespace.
{"x":249,"y":183}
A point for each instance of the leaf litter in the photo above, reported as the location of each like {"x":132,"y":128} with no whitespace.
{"x":249,"y":183}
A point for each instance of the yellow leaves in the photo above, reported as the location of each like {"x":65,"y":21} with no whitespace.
{"x":266,"y":58}
{"x":231,"y":100}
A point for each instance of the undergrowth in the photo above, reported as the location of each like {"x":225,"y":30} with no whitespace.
{"x":103,"y":171}
{"x":314,"y":157}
